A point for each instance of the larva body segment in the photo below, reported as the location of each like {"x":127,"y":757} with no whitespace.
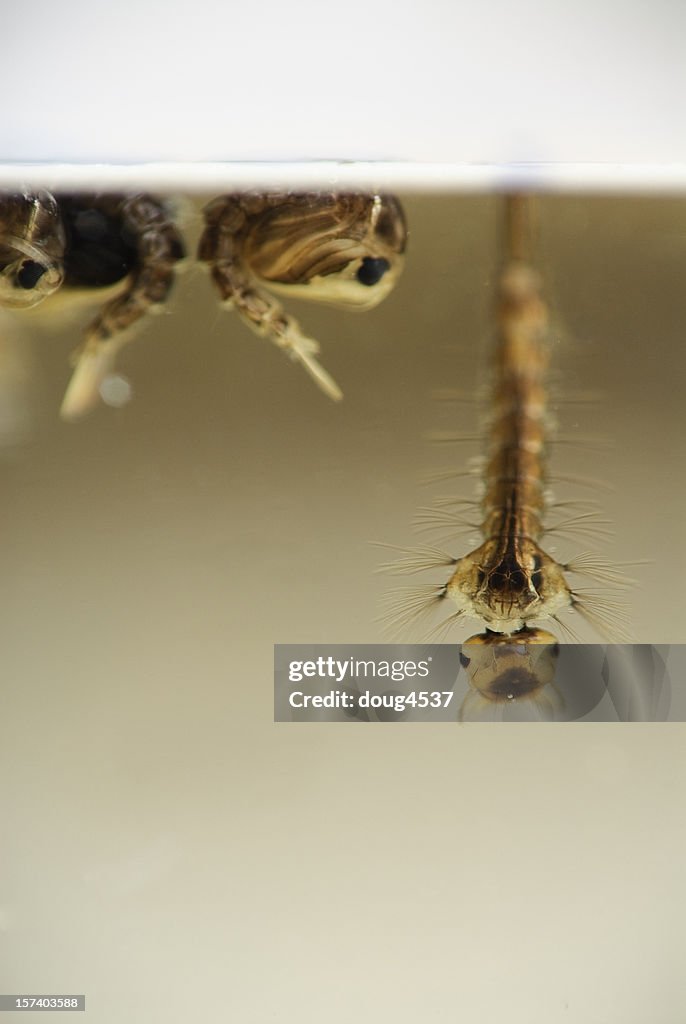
{"x":509,"y":580}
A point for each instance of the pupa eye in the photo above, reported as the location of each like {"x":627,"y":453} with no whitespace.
{"x":464,"y":660}
{"x":371,"y":270}
{"x":30,"y":274}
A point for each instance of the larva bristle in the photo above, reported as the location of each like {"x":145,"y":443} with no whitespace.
{"x":608,"y":618}
{"x":596,"y":568}
{"x":406,"y":607}
{"x":588,"y":524}
{"x":474,"y":468}
{"x":428,"y":518}
{"x":438,"y":633}
{"x":448,"y":501}
{"x":415,"y":560}
{"x":581,"y":506}
{"x":566,"y":629}
{"x":580,"y":481}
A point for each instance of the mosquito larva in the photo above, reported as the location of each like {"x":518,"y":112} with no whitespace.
{"x":510,"y":581}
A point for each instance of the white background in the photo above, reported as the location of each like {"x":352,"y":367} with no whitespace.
{"x":431,"y":81}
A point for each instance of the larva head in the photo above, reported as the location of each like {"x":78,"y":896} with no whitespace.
{"x":343,"y":249}
{"x":504,"y":670}
{"x":32,"y":243}
{"x":509,"y":585}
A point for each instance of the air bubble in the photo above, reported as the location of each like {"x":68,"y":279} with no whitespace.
{"x":116,"y":391}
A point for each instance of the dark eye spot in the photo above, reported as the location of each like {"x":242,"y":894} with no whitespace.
{"x":372,"y":270}
{"x":464,"y":660}
{"x":30,"y":274}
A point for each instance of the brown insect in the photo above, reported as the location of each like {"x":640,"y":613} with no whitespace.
{"x":345,"y":249}
{"x":509,"y":581}
{"x":123,"y":246}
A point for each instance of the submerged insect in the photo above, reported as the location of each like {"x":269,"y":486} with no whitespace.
{"x":510,"y":582}
{"x":124,"y":246}
{"x":345,"y":249}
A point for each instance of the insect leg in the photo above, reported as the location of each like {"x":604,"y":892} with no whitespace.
{"x":158,"y":248}
{"x":239,"y":290}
